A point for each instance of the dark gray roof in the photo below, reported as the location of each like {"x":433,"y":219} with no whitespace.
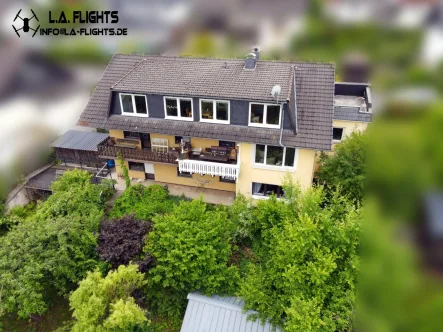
{"x":433,"y":205}
{"x":351,"y":114}
{"x":219,"y":313}
{"x":207,"y":77}
{"x":79,"y":140}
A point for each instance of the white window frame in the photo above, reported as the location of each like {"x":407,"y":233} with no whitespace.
{"x":178,"y":117}
{"x":263,"y":197}
{"x":265,"y":115}
{"x":342,"y":135}
{"x":133,"y":104}
{"x":159,"y":143}
{"x":214,"y":105}
{"x":274,"y":167}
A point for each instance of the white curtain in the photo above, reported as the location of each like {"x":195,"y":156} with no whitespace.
{"x":256,"y":188}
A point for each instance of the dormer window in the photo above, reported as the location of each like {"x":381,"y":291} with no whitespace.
{"x":178,"y":108}
{"x":134,"y":105}
{"x":214,"y":111}
{"x":264,"y":115}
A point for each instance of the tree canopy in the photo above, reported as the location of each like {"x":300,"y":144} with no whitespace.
{"x":144,"y":202}
{"x":346,"y":168}
{"x":306,"y":267}
{"x":121,"y":241}
{"x":106,"y":303}
{"x":191,"y":246}
{"x":53,"y":248}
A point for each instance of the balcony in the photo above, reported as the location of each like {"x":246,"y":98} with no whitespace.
{"x":135,"y":154}
{"x":209,"y":168}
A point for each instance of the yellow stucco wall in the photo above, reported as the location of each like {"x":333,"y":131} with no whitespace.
{"x":168,"y":173}
{"x":349,"y":126}
{"x":120,"y":134}
{"x":116,"y":133}
{"x":132,"y":174}
{"x":250,"y":173}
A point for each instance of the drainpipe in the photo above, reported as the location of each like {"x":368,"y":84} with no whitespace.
{"x":282,"y":124}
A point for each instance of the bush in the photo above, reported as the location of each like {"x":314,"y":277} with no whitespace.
{"x":53,"y":248}
{"x":191,"y":246}
{"x":305,"y":273}
{"x":121,"y":241}
{"x":144,"y":202}
{"x":106,"y":304}
{"x":346,"y":169}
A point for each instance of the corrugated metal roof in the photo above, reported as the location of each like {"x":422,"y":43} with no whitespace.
{"x":219,"y":313}
{"x":79,"y":140}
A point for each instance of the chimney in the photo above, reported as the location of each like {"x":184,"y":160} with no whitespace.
{"x":250,"y":61}
{"x":256,"y":51}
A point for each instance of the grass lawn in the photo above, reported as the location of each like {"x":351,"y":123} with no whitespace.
{"x":54,"y":318}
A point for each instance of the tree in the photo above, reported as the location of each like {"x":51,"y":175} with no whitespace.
{"x":191,"y":246}
{"x":107,"y":304}
{"x":142,"y":201}
{"x":53,"y":248}
{"x":346,"y":168}
{"x":306,"y":268}
{"x":121,"y":241}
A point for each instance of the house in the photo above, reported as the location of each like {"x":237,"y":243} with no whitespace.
{"x":352,"y":109}
{"x":220,"y":313}
{"x":233,"y":125}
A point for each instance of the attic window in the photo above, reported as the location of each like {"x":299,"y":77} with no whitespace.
{"x":135,"y":105}
{"x":264,"y":115}
{"x":178,"y":108}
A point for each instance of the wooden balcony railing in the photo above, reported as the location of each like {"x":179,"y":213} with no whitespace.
{"x":109,"y":152}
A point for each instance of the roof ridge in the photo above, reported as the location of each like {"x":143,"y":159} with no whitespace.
{"x":124,"y":76}
{"x":226,"y":59}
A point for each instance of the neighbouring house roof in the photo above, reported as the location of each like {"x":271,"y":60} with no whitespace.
{"x":219,"y":313}
{"x":349,"y":113}
{"x":199,"y":77}
{"x":80,"y":140}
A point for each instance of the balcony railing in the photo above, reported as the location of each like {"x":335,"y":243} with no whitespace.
{"x":108,"y":152}
{"x":208,"y":168}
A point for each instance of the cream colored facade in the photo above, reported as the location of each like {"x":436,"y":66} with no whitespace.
{"x":349,"y":126}
{"x":302,"y":172}
{"x":250,"y":172}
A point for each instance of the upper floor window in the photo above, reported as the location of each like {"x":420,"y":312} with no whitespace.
{"x":131,"y":104}
{"x":178,"y":108}
{"x":214,"y":111}
{"x":264,"y":115}
{"x":269,"y":155}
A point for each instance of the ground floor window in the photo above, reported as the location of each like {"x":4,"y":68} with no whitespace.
{"x":266,"y":190}
{"x":136,"y":166}
{"x":184,"y":174}
{"x":228,"y":179}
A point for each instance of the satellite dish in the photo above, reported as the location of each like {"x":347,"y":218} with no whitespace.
{"x":276,"y":90}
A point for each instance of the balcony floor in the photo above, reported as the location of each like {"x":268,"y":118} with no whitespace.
{"x":209,"y":195}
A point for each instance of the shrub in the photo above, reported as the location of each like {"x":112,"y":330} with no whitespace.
{"x":144,"y":202}
{"x":191,"y":246}
{"x":346,"y":169}
{"x":305,"y":272}
{"x":106,"y":304}
{"x":54,"y":248}
{"x":121,"y":240}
